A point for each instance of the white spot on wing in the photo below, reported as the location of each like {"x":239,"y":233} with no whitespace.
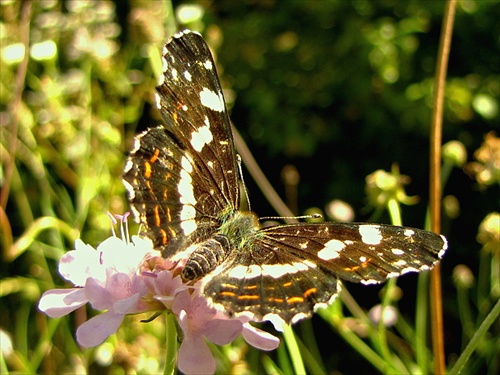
{"x":238,"y":272}
{"x":188,"y":223}
{"x":410,"y":269}
{"x":208,"y":65}
{"x":186,"y":164}
{"x":331,"y":250}
{"x":157,"y":100}
{"x":186,"y":192}
{"x":397,"y":251}
{"x":276,"y":320}
{"x":185,"y":188}
{"x":271,"y":270}
{"x":129,"y":188}
{"x":137,"y":144}
{"x":370,"y":234}
{"x":201,"y":137}
{"x":409,"y":232}
{"x":212,"y":100}
{"x":445,"y":246}
{"x":298,"y":317}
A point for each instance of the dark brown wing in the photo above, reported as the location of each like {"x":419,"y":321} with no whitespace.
{"x":290,"y":270}
{"x":181,"y":177}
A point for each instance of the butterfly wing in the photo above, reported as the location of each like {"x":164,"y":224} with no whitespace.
{"x":361,"y":252}
{"x":266,"y":282}
{"x":292,"y":269}
{"x":182,"y":176}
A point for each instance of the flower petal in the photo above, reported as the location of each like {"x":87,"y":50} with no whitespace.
{"x":258,"y":338}
{"x":59,"y":302}
{"x":195,"y":356}
{"x":128,"y":305}
{"x":182,"y":302}
{"x":222,"y":332}
{"x":122,"y":256}
{"x":77,"y":265}
{"x":94,"y":331}
{"x":98,"y":296}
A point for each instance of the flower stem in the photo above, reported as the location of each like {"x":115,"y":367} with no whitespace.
{"x":476,"y":339}
{"x":170,"y":345}
{"x":293,"y":349}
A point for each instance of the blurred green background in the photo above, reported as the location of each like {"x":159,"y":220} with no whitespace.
{"x":336,"y":89}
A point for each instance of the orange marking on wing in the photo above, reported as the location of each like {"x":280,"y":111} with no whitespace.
{"x":172,"y":232}
{"x":157,"y":216}
{"x":308,"y":292}
{"x":250,"y":287}
{"x":154,"y":157}
{"x":295,"y":300}
{"x":246,"y":296}
{"x":147,"y":169}
{"x":279,"y":300}
{"x":352,"y":269}
{"x":287,"y":284}
{"x":230,"y":286}
{"x":228,"y":294}
{"x":365,"y":264}
{"x":164,"y":237}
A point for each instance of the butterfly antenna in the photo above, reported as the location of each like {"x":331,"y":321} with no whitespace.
{"x":238,"y":160}
{"x":313,"y":216}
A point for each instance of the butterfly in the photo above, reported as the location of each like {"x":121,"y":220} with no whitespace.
{"x":183,"y":184}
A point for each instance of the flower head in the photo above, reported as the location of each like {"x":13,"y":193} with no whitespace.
{"x":108,"y":279}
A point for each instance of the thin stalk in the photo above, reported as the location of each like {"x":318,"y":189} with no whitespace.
{"x":476,"y":339}
{"x":170,"y":344}
{"x":435,"y":175}
{"x":293,"y":349}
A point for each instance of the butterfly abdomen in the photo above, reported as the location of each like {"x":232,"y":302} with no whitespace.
{"x":207,"y":256}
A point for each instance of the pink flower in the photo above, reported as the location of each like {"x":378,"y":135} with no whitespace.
{"x":108,"y":279}
{"x":199,"y":321}
{"x":164,"y":286}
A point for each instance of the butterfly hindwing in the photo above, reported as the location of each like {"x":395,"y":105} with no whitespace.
{"x":266,"y":282}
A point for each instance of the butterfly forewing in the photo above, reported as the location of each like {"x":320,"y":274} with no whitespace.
{"x":181,"y":176}
{"x":359,"y":252}
{"x":191,"y":101}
